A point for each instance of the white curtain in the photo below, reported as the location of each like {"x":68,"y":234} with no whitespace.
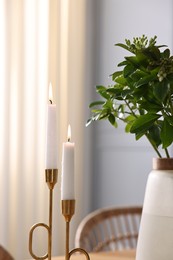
{"x":41,"y":41}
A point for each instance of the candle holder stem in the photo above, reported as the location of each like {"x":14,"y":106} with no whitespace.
{"x":68,"y":209}
{"x":67,"y":240}
{"x":51,"y":179}
{"x":50,"y":224}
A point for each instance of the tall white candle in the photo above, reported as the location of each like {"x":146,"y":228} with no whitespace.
{"x":67,"y":181}
{"x":51,"y":134}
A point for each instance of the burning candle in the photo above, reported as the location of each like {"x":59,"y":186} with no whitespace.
{"x":67,"y":181}
{"x":51,"y":134}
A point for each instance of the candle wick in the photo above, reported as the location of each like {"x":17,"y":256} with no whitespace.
{"x":68,"y":140}
{"x":50,"y":101}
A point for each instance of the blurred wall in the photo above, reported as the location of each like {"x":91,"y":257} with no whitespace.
{"x":120,"y":165}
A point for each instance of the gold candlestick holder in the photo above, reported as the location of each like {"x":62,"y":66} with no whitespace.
{"x":51,"y":176}
{"x":68,"y":210}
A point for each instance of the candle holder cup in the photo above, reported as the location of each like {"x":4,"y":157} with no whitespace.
{"x":68,"y":210}
{"x":51,"y":176}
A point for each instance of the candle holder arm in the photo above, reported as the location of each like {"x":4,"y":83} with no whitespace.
{"x":79,"y":250}
{"x":51,"y":176}
{"x":68,"y":209}
{"x":31,"y":238}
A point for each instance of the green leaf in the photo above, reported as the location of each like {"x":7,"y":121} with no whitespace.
{"x":170,"y":120}
{"x":96,"y":103}
{"x":123,"y":63}
{"x":145,"y":80}
{"x":117,"y":89}
{"x":121,"y":80}
{"x":128,"y":70}
{"x":139,"y":135}
{"x":102,"y":91}
{"x":129,"y":120}
{"x":166,"y":53}
{"x":142,"y":59}
{"x":166,"y":134}
{"x":94,"y":117}
{"x":89,"y":121}
{"x":137,"y":75}
{"x":133,"y":60}
{"x":143,"y":123}
{"x":103,"y":115}
{"x":123,"y":46}
{"x":152,"y":52}
{"x":125,"y":93}
{"x":154,"y":135}
{"x":111,"y":119}
{"x":108,"y":104}
{"x":161,"y":90}
{"x":100,"y":88}
{"x":128,"y":127}
{"x":116,"y":74}
{"x":151,"y":106}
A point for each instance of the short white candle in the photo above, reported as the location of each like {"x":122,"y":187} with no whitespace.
{"x":51,"y":134}
{"x":67,"y":181}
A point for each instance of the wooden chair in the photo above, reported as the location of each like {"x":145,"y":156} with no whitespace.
{"x":4,"y":254}
{"x":109,"y":229}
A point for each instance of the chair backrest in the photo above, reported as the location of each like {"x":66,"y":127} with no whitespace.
{"x":109,"y":229}
{"x":4,"y":254}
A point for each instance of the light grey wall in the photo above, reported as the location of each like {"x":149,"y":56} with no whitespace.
{"x":120,"y":164}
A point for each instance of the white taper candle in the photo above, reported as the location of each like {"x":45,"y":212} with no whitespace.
{"x":51,"y":134}
{"x":67,"y":181}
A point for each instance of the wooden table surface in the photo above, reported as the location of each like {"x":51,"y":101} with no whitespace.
{"x":118,"y":255}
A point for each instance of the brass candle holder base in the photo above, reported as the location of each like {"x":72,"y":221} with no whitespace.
{"x":68,"y":210}
{"x":51,"y":176}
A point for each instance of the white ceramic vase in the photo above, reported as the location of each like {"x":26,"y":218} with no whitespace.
{"x":155,"y":241}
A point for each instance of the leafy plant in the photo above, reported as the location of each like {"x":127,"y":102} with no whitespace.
{"x":141,"y":94}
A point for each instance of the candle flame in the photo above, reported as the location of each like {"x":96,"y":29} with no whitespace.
{"x":50,"y":93}
{"x":69,"y":133}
